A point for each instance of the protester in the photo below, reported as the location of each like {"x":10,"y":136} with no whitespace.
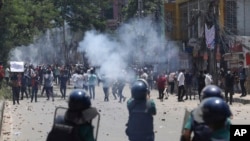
{"x":161,"y":85}
{"x":171,"y":81}
{"x":181,"y":83}
{"x":92,"y":81}
{"x":242,"y":77}
{"x":77,"y":79}
{"x":24,"y":86}
{"x":1,"y":74}
{"x":7,"y":75}
{"x":229,"y":86}
{"x":63,"y":82}
{"x":48,"y":84}
{"x":208,"y":78}
{"x":15,"y":88}
{"x":201,"y":83}
{"x":105,"y":84}
{"x":34,"y":86}
{"x":188,"y":85}
{"x":120,"y":86}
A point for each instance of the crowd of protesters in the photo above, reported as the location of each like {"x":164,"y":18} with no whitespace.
{"x":184,"y":83}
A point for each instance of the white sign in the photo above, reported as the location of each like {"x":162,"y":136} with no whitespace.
{"x":16,"y":66}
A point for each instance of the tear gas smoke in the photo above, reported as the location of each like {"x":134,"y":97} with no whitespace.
{"x":45,"y":49}
{"x":136,"y":42}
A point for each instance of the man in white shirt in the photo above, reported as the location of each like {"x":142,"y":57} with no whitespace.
{"x":77,"y":78}
{"x":181,"y":89}
{"x":208,"y":78}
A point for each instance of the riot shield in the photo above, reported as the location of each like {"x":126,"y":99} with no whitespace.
{"x":88,"y":113}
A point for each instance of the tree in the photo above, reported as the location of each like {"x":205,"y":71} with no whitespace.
{"x":1,"y":3}
{"x":82,"y":14}
{"x":21,"y":20}
{"x":150,"y":8}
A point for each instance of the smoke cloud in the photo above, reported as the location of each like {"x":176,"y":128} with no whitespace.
{"x":45,"y":49}
{"x":135,"y":42}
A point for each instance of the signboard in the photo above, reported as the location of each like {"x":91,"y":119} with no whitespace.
{"x":16,"y":66}
{"x":233,"y":56}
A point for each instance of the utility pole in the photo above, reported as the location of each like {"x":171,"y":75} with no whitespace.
{"x":65,"y":51}
{"x":140,"y":8}
{"x":213,"y":15}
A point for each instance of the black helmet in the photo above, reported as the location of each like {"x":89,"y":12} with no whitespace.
{"x":211,"y":91}
{"x":140,"y":89}
{"x":78,"y":100}
{"x":215,"y":110}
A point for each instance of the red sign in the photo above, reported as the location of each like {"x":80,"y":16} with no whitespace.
{"x":248,"y":58}
{"x":237,"y":47}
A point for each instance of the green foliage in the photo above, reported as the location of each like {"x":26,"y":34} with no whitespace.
{"x":82,"y":14}
{"x":149,"y":8}
{"x":5,"y":92}
{"x":21,"y":20}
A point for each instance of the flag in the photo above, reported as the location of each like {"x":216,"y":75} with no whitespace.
{"x":210,"y":36}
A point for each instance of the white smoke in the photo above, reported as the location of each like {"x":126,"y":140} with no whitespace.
{"x":45,"y":49}
{"x":133,"y":42}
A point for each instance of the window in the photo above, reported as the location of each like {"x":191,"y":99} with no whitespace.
{"x":230,"y":16}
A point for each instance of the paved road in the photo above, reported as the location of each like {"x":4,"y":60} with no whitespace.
{"x":32,"y":121}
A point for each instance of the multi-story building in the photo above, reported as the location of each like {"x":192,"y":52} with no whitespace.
{"x":190,"y":16}
{"x":232,"y":30}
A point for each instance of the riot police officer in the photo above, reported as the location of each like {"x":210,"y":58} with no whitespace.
{"x":195,"y":122}
{"x":76,"y":123}
{"x":141,"y":110}
{"x":216,"y":113}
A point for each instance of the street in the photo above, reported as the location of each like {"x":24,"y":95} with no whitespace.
{"x":32,"y":121}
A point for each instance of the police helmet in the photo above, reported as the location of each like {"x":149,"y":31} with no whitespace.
{"x":140,"y":89}
{"x":78,"y":100}
{"x":215,"y":110}
{"x":211,"y":91}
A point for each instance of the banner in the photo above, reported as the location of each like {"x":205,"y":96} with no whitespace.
{"x":16,"y":66}
{"x":210,"y":36}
